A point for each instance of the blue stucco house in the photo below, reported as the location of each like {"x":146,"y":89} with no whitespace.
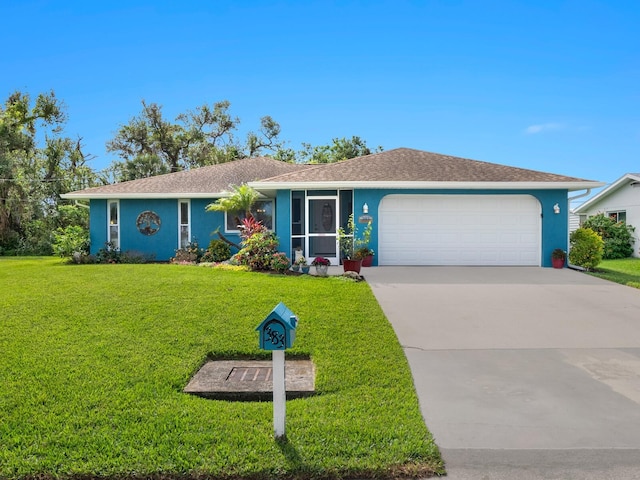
{"x":425,"y":208}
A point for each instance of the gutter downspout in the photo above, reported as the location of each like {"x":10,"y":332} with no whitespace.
{"x":588,"y":192}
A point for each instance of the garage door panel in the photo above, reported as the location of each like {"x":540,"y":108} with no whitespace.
{"x":459,"y":230}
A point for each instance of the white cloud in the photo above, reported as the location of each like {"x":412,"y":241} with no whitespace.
{"x":544,"y":127}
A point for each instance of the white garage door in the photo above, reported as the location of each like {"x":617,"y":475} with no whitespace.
{"x":459,"y":230}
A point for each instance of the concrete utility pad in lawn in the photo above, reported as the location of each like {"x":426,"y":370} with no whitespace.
{"x":521,"y":370}
{"x":250,"y":379}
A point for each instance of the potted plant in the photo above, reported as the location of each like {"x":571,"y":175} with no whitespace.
{"x":347,"y":239}
{"x":366,"y":255}
{"x":558,"y":257}
{"x":362,"y":247}
{"x":322,"y":265}
{"x":301,"y":263}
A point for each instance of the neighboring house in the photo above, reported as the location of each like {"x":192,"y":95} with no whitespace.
{"x":574,"y":221}
{"x":425,"y":208}
{"x":620,"y":201}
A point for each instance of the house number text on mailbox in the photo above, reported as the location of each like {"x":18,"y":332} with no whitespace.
{"x":274,"y":335}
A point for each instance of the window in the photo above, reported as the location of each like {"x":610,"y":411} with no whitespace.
{"x":113,"y":229}
{"x":262,"y":210}
{"x":184,"y":223}
{"x":618,"y":216}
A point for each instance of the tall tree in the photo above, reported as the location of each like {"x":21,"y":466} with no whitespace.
{"x":142,"y":166}
{"x":339,"y":149}
{"x":270,"y":130}
{"x":204,"y":136}
{"x":37,"y":164}
{"x":150,"y":134}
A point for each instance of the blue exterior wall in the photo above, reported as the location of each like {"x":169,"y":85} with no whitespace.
{"x":204,"y":224}
{"x":555,"y":228}
{"x":97,"y":225}
{"x":163,"y":244}
{"x":283,"y":221}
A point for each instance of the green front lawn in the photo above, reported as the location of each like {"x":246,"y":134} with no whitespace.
{"x":625,"y":271}
{"x":94,"y":359}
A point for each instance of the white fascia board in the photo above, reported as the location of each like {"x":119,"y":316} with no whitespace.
{"x":571,"y":186}
{"x":607,"y":191}
{"x":144,"y":196}
{"x":140,"y":196}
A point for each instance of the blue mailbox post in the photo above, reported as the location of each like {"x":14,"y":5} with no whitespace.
{"x":277,"y":332}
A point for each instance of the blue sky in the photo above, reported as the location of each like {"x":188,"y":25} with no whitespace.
{"x":545,"y":85}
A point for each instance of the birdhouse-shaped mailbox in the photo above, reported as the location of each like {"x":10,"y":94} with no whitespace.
{"x":278,"y":330}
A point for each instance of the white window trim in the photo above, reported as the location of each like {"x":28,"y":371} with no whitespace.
{"x":109,"y":224}
{"x":180,"y":224}
{"x":273,"y":216}
{"x":617,"y":214}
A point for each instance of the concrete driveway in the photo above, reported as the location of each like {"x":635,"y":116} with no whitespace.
{"x":522,"y":372}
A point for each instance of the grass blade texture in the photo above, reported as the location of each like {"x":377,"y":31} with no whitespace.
{"x":94,"y":359}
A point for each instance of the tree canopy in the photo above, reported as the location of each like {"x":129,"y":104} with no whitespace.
{"x":339,"y":149}
{"x":150,"y":144}
{"x":37,"y":164}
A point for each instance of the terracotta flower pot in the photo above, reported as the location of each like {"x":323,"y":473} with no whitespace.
{"x":557,"y":262}
{"x":367,"y":261}
{"x":352,"y":265}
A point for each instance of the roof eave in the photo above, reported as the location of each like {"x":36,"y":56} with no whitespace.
{"x":606,"y":192}
{"x":141,"y":196}
{"x":404,"y":185}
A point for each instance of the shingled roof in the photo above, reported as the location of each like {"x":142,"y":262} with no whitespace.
{"x":401,"y":168}
{"x":410,"y":167}
{"x":204,"y":182}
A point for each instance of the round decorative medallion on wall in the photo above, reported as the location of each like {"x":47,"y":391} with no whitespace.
{"x":148,"y":222}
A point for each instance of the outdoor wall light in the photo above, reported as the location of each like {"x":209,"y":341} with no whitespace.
{"x":365,"y":208}
{"x":556,"y":209}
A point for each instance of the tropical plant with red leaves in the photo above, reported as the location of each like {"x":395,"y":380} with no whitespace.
{"x":250,"y":226}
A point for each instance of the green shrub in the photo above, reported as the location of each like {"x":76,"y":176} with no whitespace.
{"x":257,"y":251}
{"x":109,"y":254}
{"x":217,"y":251}
{"x":617,"y":236}
{"x":72,"y":215}
{"x":192,"y":253}
{"x":280,"y":262}
{"x":36,"y":238}
{"x":9,"y":244}
{"x":70,"y":240}
{"x":586,"y":248}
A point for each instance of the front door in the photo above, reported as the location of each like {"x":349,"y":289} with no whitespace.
{"x":322,"y":228}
